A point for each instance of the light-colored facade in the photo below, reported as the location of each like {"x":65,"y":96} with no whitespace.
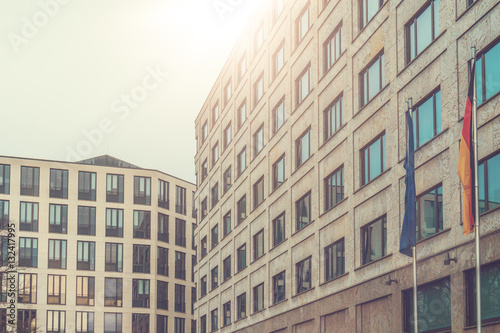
{"x":85,"y":229}
{"x":300,"y":178}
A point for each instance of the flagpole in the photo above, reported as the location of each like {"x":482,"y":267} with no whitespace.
{"x":476,"y":192}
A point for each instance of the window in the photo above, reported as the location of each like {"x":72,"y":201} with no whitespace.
{"x":4,"y":214}
{"x":180,"y":200}
{"x":58,"y":218}
{"x":141,"y":257}
{"x":227,"y":135}
{"x":26,"y":321}
{"x":303,"y":147}
{"x":180,"y":265}
{"x":279,"y":115}
{"x":215,"y":113}
{"x":86,"y":185}
{"x":303,"y":279}
{"x":258,"y":245}
{"x":163,"y":227}
{"x":28,"y":252}
{"x":242,"y":257}
{"x":162,"y":261}
{"x":86,"y":220}
{"x":85,"y":290}
{"x":332,"y":48}
{"x":242,"y":209}
{"x":258,"y":140}
{"x":373,"y":159}
{"x":179,"y":325}
{"x":227,"y":179}
{"x":114,"y":222}
{"x":279,"y":59}
{"x":204,"y":132}
{"x":227,"y":92}
{"x":489,"y":184}
{"x":58,"y":183}
{"x":430,"y":212}
{"x":279,"y":229}
{"x":4,"y":250}
{"x":114,"y":188}
{"x":241,"y":301}
{"x":258,"y":38}
{"x":162,"y":295}
{"x":113,"y":292}
{"x":368,"y":9}
{"x":215,"y":194}
{"x":57,"y":253}
{"x":180,"y":232}
{"x":204,"y":246}
{"x":303,"y":84}
{"x":163,"y":194}
{"x":4,"y":179}
{"x":27,"y":290}
{"x":258,"y":192}
{"x":277,"y":9}
{"x":215,"y":235}
{"x":303,"y":211}
{"x":142,"y":224}
{"x":215,"y":277}
{"x":333,"y":117}
{"x":374,"y":238}
{"x":226,"y":312}
{"x":214,"y":316}
{"x":279,"y":287}
{"x":303,"y":24}
{"x":241,"y":160}
{"x":84,"y":322}
{"x":56,"y":321}
{"x":161,"y":324}
{"x":204,"y":171}
{"x":242,"y":67}
{"x":203,"y":283}
{"x":226,"y":267}
{"x":427,"y":119}
{"x":334,"y":188}
{"x":487,"y":73}
{"x":114,"y":257}
{"x":203,"y":324}
{"x":334,"y":260}
{"x":28,"y":218}
{"x":215,"y":153}
{"x":490,"y":291}
{"x":422,"y":30}
{"x":112,"y":323}
{"x":140,"y":323}
{"x":30,"y":180}
{"x":86,"y":256}
{"x":140,"y":293}
{"x":431,"y":298}
{"x":258,"y":298}
{"x":258,"y":88}
{"x":204,"y":209}
{"x":372,"y":79}
{"x":227,"y":223}
{"x":56,"y":289}
{"x":180,"y":298}
{"x":279,"y":172}
{"x":242,"y":114}
{"x":142,"y":190}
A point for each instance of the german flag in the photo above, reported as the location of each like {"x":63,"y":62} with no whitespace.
{"x":466,"y":162}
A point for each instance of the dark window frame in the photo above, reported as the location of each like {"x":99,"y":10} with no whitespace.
{"x":332,"y":198}
{"x":366,"y":90}
{"x":383,"y":156}
{"x":366,"y":242}
{"x":278,"y":294}
{"x":332,"y":253}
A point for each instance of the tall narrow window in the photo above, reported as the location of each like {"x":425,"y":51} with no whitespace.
{"x":163,"y":194}
{"x":4,"y":214}
{"x":430,"y":212}
{"x":258,"y":245}
{"x":215,"y":113}
{"x":161,"y":324}
{"x":142,"y":224}
{"x":242,"y":209}
{"x":204,"y":132}
{"x":279,"y":115}
{"x":258,"y":38}
{"x":258,"y":89}
{"x":180,"y":232}
{"x":58,"y":183}
{"x":303,"y":84}
{"x":162,"y":261}
{"x":114,"y":222}
{"x":242,"y":67}
{"x":215,"y":153}
{"x":215,"y":319}
{"x":113,"y":292}
{"x":226,"y":309}
{"x":487,"y":73}
{"x":203,"y":283}
{"x":279,"y":172}
{"x":303,"y":211}
{"x":228,"y":92}
{"x":57,"y":253}
{"x":489,"y":184}
{"x":334,"y":188}
{"x":204,"y":246}
{"x":241,"y":161}
{"x":114,"y":257}
{"x":374,"y":240}
{"x":242,"y":257}
{"x":333,"y":117}
{"x":258,"y":140}
{"x":112,"y":322}
{"x":422,"y":30}
{"x":372,"y":79}
{"x":30,"y":180}
{"x":84,"y":322}
{"x":141,"y":258}
{"x":163,"y":227}
{"x":332,"y":48}
{"x":26,"y":321}
{"x":215,"y":194}
{"x":85,"y":256}
{"x":241,"y":302}
{"x":58,"y":218}
{"x":56,"y":321}
{"x":279,"y":229}
{"x":258,"y":298}
{"x":227,"y":179}
{"x":427,"y":119}
{"x":4,"y":179}
{"x":227,"y":223}
{"x":242,"y":114}
{"x":140,"y":323}
{"x":180,"y":298}
{"x":180,"y":265}
{"x":114,"y":188}
{"x":373,"y":159}
{"x":204,"y":208}
{"x":28,"y":252}
{"x":258,"y":192}
{"x":140,"y":293}
{"x":303,"y":148}
{"x":279,"y":287}
{"x":180,"y":200}
{"x":227,"y":135}
{"x":204,"y":171}
{"x":162,"y":295}
{"x":56,"y":289}
{"x":303,"y":23}
{"x":303,"y":277}
{"x":85,"y":290}
{"x":87,"y":185}
{"x":142,"y":190}
{"x":28,"y":218}
{"x":86,"y":220}
{"x":334,"y":260}
{"x":215,"y":277}
{"x":368,"y":9}
{"x":279,"y":59}
{"x":226,"y":266}
{"x":490,"y":293}
{"x":215,"y":235}
{"x":27,"y":290}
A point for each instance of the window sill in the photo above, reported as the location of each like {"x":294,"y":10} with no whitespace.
{"x":303,"y":292}
{"x":371,"y":181}
{"x":334,"y":279}
{"x":487,"y":101}
{"x":434,"y":235}
{"x":367,"y":23}
{"x":483,"y":324}
{"x":241,"y":270}
{"x":278,"y":303}
{"x":296,"y":232}
{"x":325,"y":142}
{"x":327,"y":70}
{"x":299,"y":166}
{"x":333,"y":207}
{"x":275,"y":246}
{"x":371,"y":100}
{"x":240,"y":319}
{"x":488,"y":212}
{"x":374,"y":261}
{"x":264,"y":309}
{"x":460,"y":16}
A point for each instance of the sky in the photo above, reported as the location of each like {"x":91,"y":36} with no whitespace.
{"x":121,"y":77}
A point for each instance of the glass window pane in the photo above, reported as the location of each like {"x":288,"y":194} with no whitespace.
{"x":493,"y":182}
{"x":426,"y":121}
{"x":424,"y":29}
{"x":375,"y":163}
{"x":479,"y":82}
{"x":492,"y":72}
{"x":374,"y":79}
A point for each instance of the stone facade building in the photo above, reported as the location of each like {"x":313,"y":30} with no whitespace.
{"x":300,"y":179}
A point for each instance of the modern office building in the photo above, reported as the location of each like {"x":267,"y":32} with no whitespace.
{"x":300,"y":179}
{"x":103,"y":246}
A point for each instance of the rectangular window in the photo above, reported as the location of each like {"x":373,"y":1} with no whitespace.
{"x":215,"y":235}
{"x":227,"y":179}
{"x":215,"y":113}
{"x":214,"y":315}
{"x":204,"y":132}
{"x":258,"y":89}
{"x":215,"y":194}
{"x":140,"y":293}
{"x":303,"y":84}
{"x":279,"y":229}
{"x":490,"y":293}
{"x":303,"y":147}
{"x":162,"y":261}
{"x":58,"y":218}
{"x":332,"y":48}
{"x":163,"y":194}
{"x":215,"y":153}
{"x":180,"y":232}
{"x":204,"y":208}
{"x":279,"y":287}
{"x":422,"y":30}
{"x":303,"y":278}
{"x":241,"y":301}
{"x":56,"y":289}
{"x":227,"y":223}
{"x":179,"y":325}
{"x":114,"y":222}
{"x":430,"y":212}
{"x":86,"y":220}
{"x":113,"y":292}
{"x":84,"y":322}
{"x":226,"y":266}
{"x":86,"y":185}
{"x":4,"y":214}
{"x":203,"y":324}
{"x":279,"y":115}
{"x":279,"y":172}
{"x":215,"y":277}
{"x":114,"y":188}
{"x":258,"y":192}
{"x":242,"y":67}
{"x":142,"y":224}
{"x":227,"y":135}
{"x":487,"y":73}
{"x":242,"y":114}
{"x":242,"y":257}
{"x":180,"y":200}
{"x":228,"y":92}
{"x":114,"y":257}
{"x":4,"y":179}
{"x":427,"y":119}
{"x":140,"y":323}
{"x":162,"y":295}
{"x":85,"y":290}
{"x":258,"y":38}
{"x":334,"y":260}
{"x":204,"y":172}
{"x":368,"y":9}
{"x":258,"y":298}
{"x":242,"y":209}
{"x":334,"y":188}
{"x":303,"y":211}
{"x":372,"y":79}
{"x":56,"y":321}
{"x":141,"y":257}
{"x":489,"y":184}
{"x":241,"y":161}
{"x":204,"y":247}
{"x":258,"y":140}
{"x":85,"y":256}
{"x":333,"y":117}
{"x":373,"y":159}
{"x":30,"y":180}
{"x":203,"y":283}
{"x":226,"y":312}
{"x":57,"y":253}
{"x":28,"y":216}
{"x":163,"y":227}
{"x":4,"y":250}
{"x":303,"y":23}
{"x":58,"y":183}
{"x":180,"y":298}
{"x":374,"y":238}
{"x":279,"y":59}
{"x":26,"y":321}
{"x":180,"y":265}
{"x":28,"y":252}
{"x":161,"y":324}
{"x":142,"y":190}
{"x":112,"y":323}
{"x":27,"y":290}
{"x":258,"y":245}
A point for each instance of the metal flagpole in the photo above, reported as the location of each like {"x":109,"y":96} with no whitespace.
{"x":476,"y":192}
